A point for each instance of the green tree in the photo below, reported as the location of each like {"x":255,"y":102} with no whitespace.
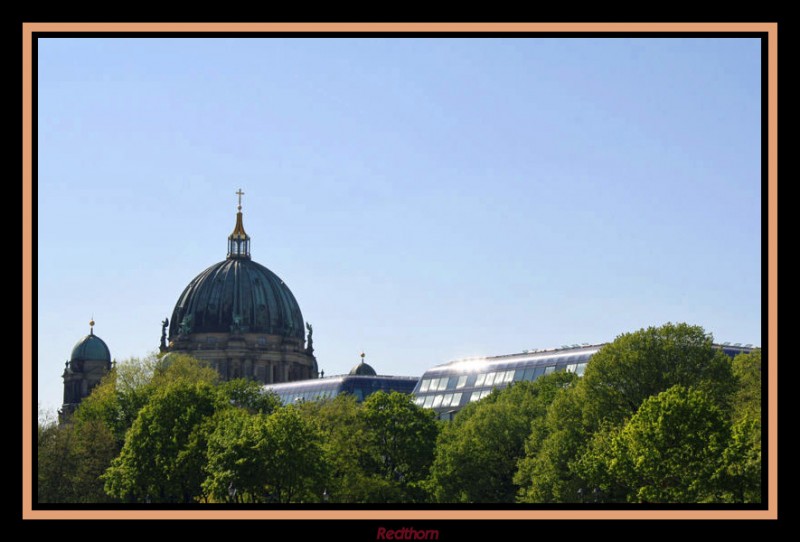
{"x":400,"y":438}
{"x":124,"y":391}
{"x":70,"y":460}
{"x":742,"y":467}
{"x":120,"y":395}
{"x":182,"y":367}
{"x":644,"y":363}
{"x":618,"y":379}
{"x":56,"y":460}
{"x":477,"y":453}
{"x":164,"y":451}
{"x":235,"y":467}
{"x":343,"y":432}
{"x":742,"y":462}
{"x":544,"y":473}
{"x":250,"y":395}
{"x":747,"y":394}
{"x":253,"y":457}
{"x":295,"y":467}
{"x":672,"y":448}
{"x":94,"y":446}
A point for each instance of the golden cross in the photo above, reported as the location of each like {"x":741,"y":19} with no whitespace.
{"x":240,"y":193}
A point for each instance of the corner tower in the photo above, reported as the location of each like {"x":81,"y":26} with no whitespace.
{"x":88,"y":364}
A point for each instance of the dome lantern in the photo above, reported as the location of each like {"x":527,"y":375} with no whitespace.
{"x":238,"y":240}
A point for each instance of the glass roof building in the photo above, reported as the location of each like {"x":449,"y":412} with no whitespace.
{"x":450,"y":387}
{"x":360,"y":386}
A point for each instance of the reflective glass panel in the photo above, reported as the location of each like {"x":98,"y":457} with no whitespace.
{"x":428,"y":402}
{"x":489,"y":379}
{"x":456,"y":399}
{"x":437,"y":401}
{"x":462,"y":381}
{"x":480,"y":379}
{"x":548,"y":370}
{"x":580,"y":369}
{"x":424,"y":386}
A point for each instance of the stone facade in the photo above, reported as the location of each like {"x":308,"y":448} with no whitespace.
{"x":265,"y":358}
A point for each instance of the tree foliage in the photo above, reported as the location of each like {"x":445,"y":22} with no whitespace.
{"x":544,"y":473}
{"x":71,"y":458}
{"x":344,"y":435}
{"x":254,"y":457}
{"x":164,"y":451}
{"x":399,"y":438}
{"x":672,"y":448}
{"x":747,"y":392}
{"x":742,"y":465}
{"x":477,"y":453}
{"x":659,"y":416}
{"x":294,"y":470}
{"x":250,"y":395}
{"x":568,"y":454}
{"x":638,"y":365}
{"x":234,"y":466}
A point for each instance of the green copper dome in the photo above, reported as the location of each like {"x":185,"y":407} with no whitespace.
{"x":363,"y":369}
{"x":237,"y":295}
{"x":91,"y":348}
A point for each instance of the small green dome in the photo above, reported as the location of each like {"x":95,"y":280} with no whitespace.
{"x":91,"y":348}
{"x":362,"y":369}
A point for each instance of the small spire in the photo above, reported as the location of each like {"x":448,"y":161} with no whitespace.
{"x":362,"y":357}
{"x":91,"y":326}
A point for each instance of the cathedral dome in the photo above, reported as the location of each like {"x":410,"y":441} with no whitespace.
{"x":91,"y":348}
{"x":241,"y":295}
{"x":237,"y":295}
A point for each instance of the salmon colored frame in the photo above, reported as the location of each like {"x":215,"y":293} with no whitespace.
{"x":771,"y":31}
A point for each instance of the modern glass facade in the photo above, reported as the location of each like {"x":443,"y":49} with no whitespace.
{"x":327,"y":388}
{"x":450,"y":387}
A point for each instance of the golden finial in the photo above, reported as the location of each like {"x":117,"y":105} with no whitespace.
{"x":240,"y":194}
{"x":91,"y":325}
{"x":362,"y":357}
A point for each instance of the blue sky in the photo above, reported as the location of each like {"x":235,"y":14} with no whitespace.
{"x":424,"y":199}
